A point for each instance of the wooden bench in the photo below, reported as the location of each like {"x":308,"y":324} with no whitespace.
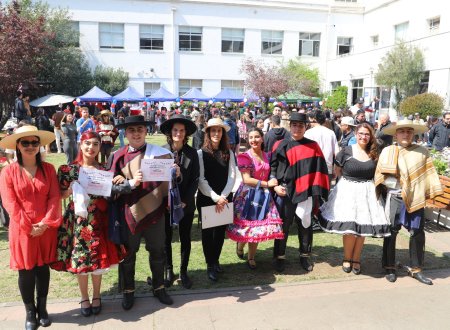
{"x":441,"y":202}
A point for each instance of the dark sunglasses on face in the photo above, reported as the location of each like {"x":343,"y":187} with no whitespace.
{"x":34,"y":143}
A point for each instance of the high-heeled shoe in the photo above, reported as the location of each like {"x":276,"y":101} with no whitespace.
{"x":85,"y":311}
{"x":96,"y":309}
{"x":347,"y":269}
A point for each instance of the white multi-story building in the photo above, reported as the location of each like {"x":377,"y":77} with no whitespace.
{"x":181,"y":44}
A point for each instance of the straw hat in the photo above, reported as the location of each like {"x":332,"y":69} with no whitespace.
{"x":10,"y":141}
{"x":418,"y":129}
{"x":105,"y":112}
{"x":217,"y":122}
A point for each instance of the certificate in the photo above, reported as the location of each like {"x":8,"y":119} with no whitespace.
{"x":212,"y":219}
{"x":96,"y":182}
{"x":156,"y":169}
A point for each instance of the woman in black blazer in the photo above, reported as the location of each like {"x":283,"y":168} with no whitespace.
{"x":178,"y":129}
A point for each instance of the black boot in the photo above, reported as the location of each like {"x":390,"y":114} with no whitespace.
{"x":169,"y":276}
{"x":185,"y":280}
{"x":162,"y":296}
{"x":306,"y":264}
{"x":43,"y":318}
{"x":211,"y":272}
{"x":30,"y":321}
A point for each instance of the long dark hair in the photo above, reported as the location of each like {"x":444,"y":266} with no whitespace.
{"x":86,"y":136}
{"x":224,"y":149}
{"x":255,"y":129}
{"x":38,"y":156}
{"x":372,"y":146}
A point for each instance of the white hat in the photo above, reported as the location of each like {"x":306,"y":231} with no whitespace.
{"x":10,"y":141}
{"x":348,"y":121}
{"x":217,"y":122}
{"x":418,"y":129}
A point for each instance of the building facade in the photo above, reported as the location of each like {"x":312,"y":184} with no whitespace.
{"x":181,"y":44}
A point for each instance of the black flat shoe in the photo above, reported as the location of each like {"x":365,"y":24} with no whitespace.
{"x":422,"y":279}
{"x":218,"y":268}
{"x":251,"y":264}
{"x":391,"y":276}
{"x":97,"y":309}
{"x":185,"y":280}
{"x":127,"y":300}
{"x":357,"y":271}
{"x":279,"y":265}
{"x":306,"y":264}
{"x":239,"y":253}
{"x":85,"y":311}
{"x":212,"y":275}
{"x":347,"y":269}
{"x":162,"y":296}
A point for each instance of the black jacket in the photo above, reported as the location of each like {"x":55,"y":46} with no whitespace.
{"x":439,"y":136}
{"x":274,"y":135}
{"x":190,"y":172}
{"x":384,"y":140}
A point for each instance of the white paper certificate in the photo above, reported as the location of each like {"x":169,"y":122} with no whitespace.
{"x":156,"y":169}
{"x":96,"y":182}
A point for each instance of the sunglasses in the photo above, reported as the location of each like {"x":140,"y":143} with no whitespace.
{"x":26,"y":144}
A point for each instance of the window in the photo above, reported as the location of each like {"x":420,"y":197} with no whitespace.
{"x":111,"y":35}
{"x":424,"y":81}
{"x":236,"y":86}
{"x":434,"y":23}
{"x":272,"y":42}
{"x":309,"y":44}
{"x":233,"y":40}
{"x":344,"y":45}
{"x":357,"y":89}
{"x":190,"y":38}
{"x":335,"y":85}
{"x":401,"y":31}
{"x":150,"y":88}
{"x":374,"y":40}
{"x":151,"y":37}
{"x":184,"y":85}
{"x":75,"y":26}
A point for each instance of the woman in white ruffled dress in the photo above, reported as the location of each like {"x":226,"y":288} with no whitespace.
{"x":353,"y":208}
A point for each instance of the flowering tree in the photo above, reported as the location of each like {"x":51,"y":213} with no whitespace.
{"x":264,"y":80}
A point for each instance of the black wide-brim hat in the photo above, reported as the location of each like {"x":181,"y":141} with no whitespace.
{"x":189,"y":125}
{"x":301,"y":117}
{"x":134,"y":121}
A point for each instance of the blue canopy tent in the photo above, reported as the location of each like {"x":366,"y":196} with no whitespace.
{"x":95,"y":94}
{"x":128,"y":95}
{"x":162,"y":95}
{"x":194,"y":94}
{"x":227,"y":94}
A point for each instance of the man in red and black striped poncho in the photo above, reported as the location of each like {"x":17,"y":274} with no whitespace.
{"x":301,"y":170}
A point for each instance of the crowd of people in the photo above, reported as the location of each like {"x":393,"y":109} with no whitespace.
{"x":305,"y":166}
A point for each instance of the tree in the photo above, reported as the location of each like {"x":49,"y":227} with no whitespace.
{"x":338,"y":99}
{"x":264,"y":80}
{"x":401,"y":69}
{"x":427,"y":104}
{"x":301,"y":77}
{"x":22,"y":41}
{"x":111,"y":80}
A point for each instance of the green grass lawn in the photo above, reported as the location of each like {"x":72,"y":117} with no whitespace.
{"x":327,"y":254}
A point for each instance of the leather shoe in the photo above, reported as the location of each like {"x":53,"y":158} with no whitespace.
{"x":347,"y":269}
{"x":85,"y":311}
{"x":212,"y":275}
{"x":391,"y":276}
{"x":306,"y":265}
{"x":218,"y":268}
{"x":422,"y":279}
{"x":127,"y":300}
{"x":97,"y":309}
{"x":162,"y":296}
{"x":279,"y":265}
{"x":185,"y":280}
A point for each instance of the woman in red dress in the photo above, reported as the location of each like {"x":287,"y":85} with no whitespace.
{"x":30,"y":194}
{"x":83,"y":244}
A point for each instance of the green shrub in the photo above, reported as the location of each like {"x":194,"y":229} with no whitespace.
{"x":338,"y":99}
{"x":427,"y":104}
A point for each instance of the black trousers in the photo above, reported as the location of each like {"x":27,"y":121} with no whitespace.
{"x":212,"y":242}
{"x":154,"y":237}
{"x":30,"y":280}
{"x":416,"y":239}
{"x":184,"y":229}
{"x":305,"y":235}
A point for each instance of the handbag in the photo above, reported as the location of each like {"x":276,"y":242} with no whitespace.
{"x":256,"y":203}
{"x":175,"y":204}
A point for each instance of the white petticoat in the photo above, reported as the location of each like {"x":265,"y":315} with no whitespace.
{"x":353,"y":208}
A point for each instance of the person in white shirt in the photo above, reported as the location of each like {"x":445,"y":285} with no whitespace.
{"x":358,"y":106}
{"x":324,"y":137}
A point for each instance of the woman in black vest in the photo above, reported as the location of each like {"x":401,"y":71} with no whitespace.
{"x":178,"y":129}
{"x":217,"y":176}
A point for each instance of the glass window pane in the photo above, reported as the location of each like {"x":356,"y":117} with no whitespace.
{"x":304,"y":35}
{"x":307,"y":49}
{"x":227,"y":46}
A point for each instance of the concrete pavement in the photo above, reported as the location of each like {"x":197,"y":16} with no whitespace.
{"x":356,"y":302}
